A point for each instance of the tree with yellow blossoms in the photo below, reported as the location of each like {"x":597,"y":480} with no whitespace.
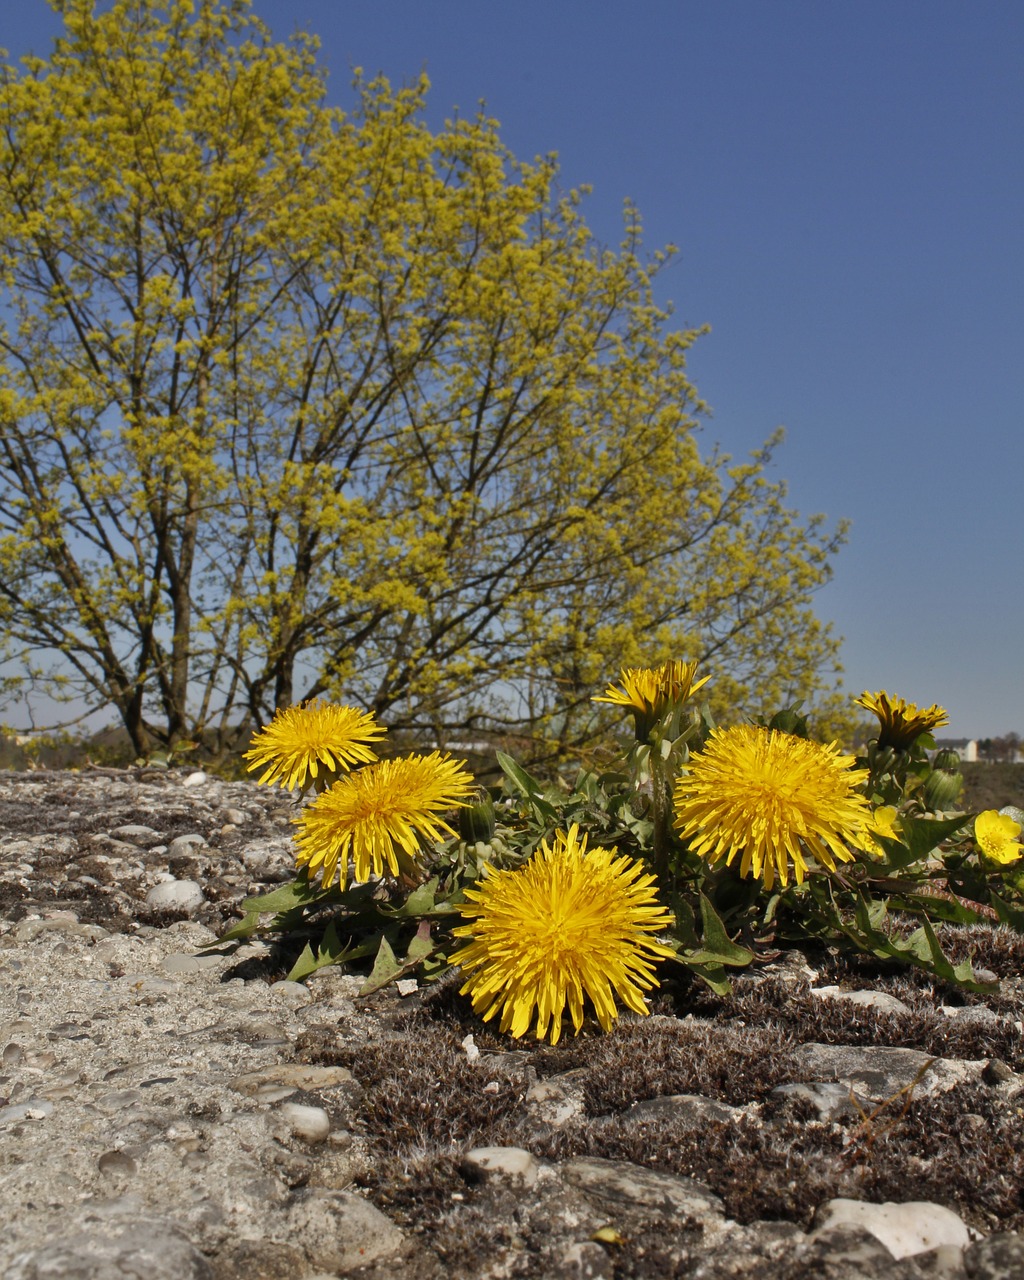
{"x":296,"y":402}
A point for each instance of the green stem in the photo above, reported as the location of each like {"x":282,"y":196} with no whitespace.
{"x":661,"y":816}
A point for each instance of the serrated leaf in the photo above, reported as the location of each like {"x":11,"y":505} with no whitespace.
{"x":716,"y":943}
{"x":421,"y":945}
{"x":921,"y":949}
{"x":419,"y":902}
{"x":387,"y":968}
{"x":296,"y":893}
{"x":330,"y":951}
{"x":951,"y":910}
{"x":527,"y":786}
{"x":920,"y":836}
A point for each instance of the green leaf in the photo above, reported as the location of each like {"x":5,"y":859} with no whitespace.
{"x":299,"y":892}
{"x":717,"y":944}
{"x":526,"y":786}
{"x":421,"y":945}
{"x":331,"y":951}
{"x":919,"y":836}
{"x":920,"y":949}
{"x":953,"y":911}
{"x":245,"y":928}
{"x":421,"y":902}
{"x":711,"y":974}
{"x":1007,"y":912}
{"x":387,"y":968}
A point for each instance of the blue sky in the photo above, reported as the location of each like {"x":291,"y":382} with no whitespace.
{"x":845,"y":184}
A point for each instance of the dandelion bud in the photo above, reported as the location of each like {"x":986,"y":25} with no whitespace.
{"x":476,"y":822}
{"x":942,"y":786}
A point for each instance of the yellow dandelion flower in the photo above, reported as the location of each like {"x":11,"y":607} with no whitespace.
{"x":300,"y":740}
{"x":649,"y":689}
{"x":996,"y":834}
{"x":571,"y":923}
{"x":901,"y":722}
{"x":770,"y":798}
{"x":378,"y":814}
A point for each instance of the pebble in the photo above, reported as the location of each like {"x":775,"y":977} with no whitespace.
{"x":175,"y":895}
{"x":134,"y":833}
{"x":311,"y":1124}
{"x":512,"y":1164}
{"x":880,"y":1001}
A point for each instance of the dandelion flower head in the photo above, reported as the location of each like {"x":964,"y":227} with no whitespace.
{"x":571,"y":923}
{"x":302,"y":739}
{"x":649,"y":689}
{"x":377,"y":814}
{"x":996,"y":834}
{"x":770,"y":798}
{"x":901,"y":722}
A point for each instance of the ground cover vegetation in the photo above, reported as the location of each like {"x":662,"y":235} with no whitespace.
{"x":301,"y":402}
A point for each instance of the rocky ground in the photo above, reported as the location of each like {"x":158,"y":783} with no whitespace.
{"x":176,"y":1115}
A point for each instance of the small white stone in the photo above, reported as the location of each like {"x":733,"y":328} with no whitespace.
{"x":407,"y":986}
{"x":904,"y":1229}
{"x":195,"y":779}
{"x":311,"y":1124}
{"x":181,"y":845}
{"x":469,"y":1045}
{"x":510,"y":1163}
{"x":293,"y":994}
{"x":878,"y":1000}
{"x":175,"y":895}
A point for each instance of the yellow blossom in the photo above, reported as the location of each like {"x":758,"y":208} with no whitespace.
{"x":649,"y":690}
{"x":571,"y":923}
{"x":770,"y":798}
{"x":996,"y":834}
{"x":301,"y":739}
{"x":900,"y":722}
{"x":380,"y":813}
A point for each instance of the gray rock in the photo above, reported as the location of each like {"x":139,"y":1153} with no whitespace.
{"x":849,"y":1253}
{"x":153,"y":1248}
{"x":880,"y":1073}
{"x":1000,"y":1257}
{"x":689,"y":1109}
{"x":311,"y":1124}
{"x":582,"y":1260}
{"x":663,"y":1195}
{"x":31,"y":1109}
{"x":829,"y":1099}
{"x":338,"y":1230}
{"x":558,"y":1099}
{"x":880,"y":1001}
{"x":181,"y":846}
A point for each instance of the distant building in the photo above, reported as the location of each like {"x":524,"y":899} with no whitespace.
{"x":967,"y":748}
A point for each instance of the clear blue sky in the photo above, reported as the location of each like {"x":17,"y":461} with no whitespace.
{"x":845,"y":183}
